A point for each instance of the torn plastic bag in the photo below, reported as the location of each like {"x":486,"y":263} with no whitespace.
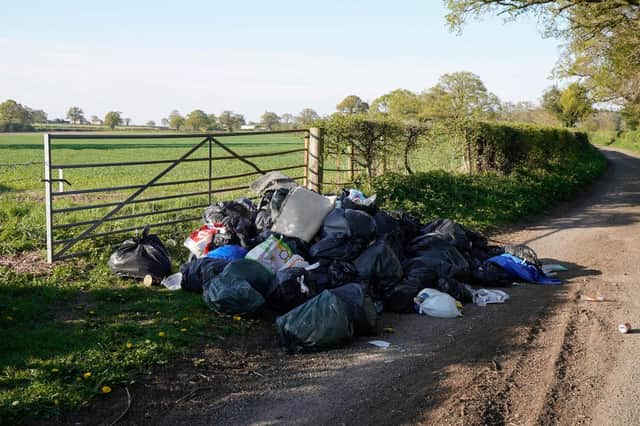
{"x":200,"y":271}
{"x":520,"y":269}
{"x":356,"y":200}
{"x":259,"y":277}
{"x":302,"y":214}
{"x":380,"y":266}
{"x":483,"y":296}
{"x":361,"y":309}
{"x":524,"y":252}
{"x":228,"y":252}
{"x":263,"y":220}
{"x":336,"y":248}
{"x":436,"y":304}
{"x":232,"y":295}
{"x":333,"y":273}
{"x":291,"y":287}
{"x":271,"y":181}
{"x":272,"y":253}
{"x":322,"y":322}
{"x":198,"y":241}
{"x":348,"y":223}
{"x":142,"y":256}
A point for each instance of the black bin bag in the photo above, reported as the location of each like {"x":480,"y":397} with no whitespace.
{"x":136,"y":258}
{"x":362,"y":311}
{"x":291,"y":287}
{"x":240,"y":288}
{"x":323,"y":322}
{"x":379,"y":266}
{"x":348,"y":223}
{"x":199,"y":271}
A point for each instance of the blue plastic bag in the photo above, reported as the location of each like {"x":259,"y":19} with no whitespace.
{"x":229,"y":252}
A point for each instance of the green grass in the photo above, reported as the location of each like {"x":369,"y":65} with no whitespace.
{"x":627,"y":140}
{"x":79,"y":318}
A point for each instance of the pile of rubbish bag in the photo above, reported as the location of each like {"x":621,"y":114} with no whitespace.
{"x":329,"y":266}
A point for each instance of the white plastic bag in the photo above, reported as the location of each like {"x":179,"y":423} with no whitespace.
{"x":199,"y":239}
{"x":483,"y":297}
{"x":296,"y":261}
{"x":271,"y":253}
{"x":437,"y":304}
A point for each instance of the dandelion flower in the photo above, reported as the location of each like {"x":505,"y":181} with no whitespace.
{"x":87,"y":374}
{"x":129,"y":345}
{"x":92,"y":312}
{"x":147,"y":341}
{"x":14,"y":403}
{"x":184,"y":330}
{"x":9,"y":318}
{"x":161,"y":334}
{"x":54,"y":370}
{"x":237,"y":317}
{"x":105,"y":389}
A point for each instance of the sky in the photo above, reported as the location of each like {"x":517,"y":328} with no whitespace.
{"x":147,"y":58}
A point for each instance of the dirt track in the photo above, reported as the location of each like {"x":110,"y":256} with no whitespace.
{"x":546,"y":357}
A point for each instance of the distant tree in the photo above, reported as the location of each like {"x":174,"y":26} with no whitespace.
{"x":38,"y":116}
{"x":164,"y":122}
{"x":75,"y":114}
{"x":151,"y":123}
{"x":94,"y":119}
{"x":13,"y":115}
{"x":197,"y":120}
{"x":127,"y":121}
{"x":352,"y":104}
{"x":269,"y":120}
{"x":230,"y":120}
{"x":569,"y":105}
{"x":212,"y":121}
{"x":287,"y":118}
{"x":176,"y":121}
{"x":307,"y":117}
{"x":112,"y":119}
{"x":401,"y":104}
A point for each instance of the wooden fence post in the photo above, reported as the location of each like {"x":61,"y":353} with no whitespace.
{"x":305,"y":178}
{"x":315,"y":165}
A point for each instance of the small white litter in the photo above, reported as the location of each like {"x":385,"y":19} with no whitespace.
{"x":380,"y":343}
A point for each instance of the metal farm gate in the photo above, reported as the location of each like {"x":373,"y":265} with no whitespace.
{"x":74,"y":216}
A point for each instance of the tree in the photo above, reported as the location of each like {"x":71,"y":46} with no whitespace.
{"x":112,"y":119}
{"x":75,"y":114}
{"x":287,"y":118}
{"x":460,"y":97}
{"x":230,"y":120}
{"x":570,"y":105}
{"x":631,"y":115}
{"x":269,"y":120}
{"x":352,"y":104}
{"x":164,"y":122}
{"x":307,"y":118}
{"x":400,"y":103}
{"x":127,"y":121}
{"x":176,"y":121}
{"x":151,"y":123}
{"x":197,"y":120}
{"x":94,"y":119}
{"x":13,"y":115}
{"x":212,"y":121}
{"x":38,"y":116}
{"x":602,"y":35}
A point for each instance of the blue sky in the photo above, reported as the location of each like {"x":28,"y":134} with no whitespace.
{"x":145,"y":58}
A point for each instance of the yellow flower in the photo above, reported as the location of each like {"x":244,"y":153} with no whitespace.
{"x":87,"y":374}
{"x":184,"y":330}
{"x":92,"y":312}
{"x":14,"y":403}
{"x":9,"y":318}
{"x":106,"y":389}
{"x":237,"y":317}
{"x":129,"y":345}
{"x":161,"y":334}
{"x":54,"y":370}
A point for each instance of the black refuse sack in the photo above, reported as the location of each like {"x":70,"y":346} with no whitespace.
{"x":323,"y":322}
{"x":332,"y":273}
{"x":491,"y":275}
{"x":142,"y":256}
{"x":200,"y":271}
{"x":362,"y":311}
{"x":400,"y":298}
{"x":240,"y":288}
{"x":450,"y":231}
{"x":349,"y":223}
{"x":446,"y":261}
{"x":455,"y":289}
{"x":336,"y":248}
{"x":291,"y":287}
{"x":379,"y":266}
